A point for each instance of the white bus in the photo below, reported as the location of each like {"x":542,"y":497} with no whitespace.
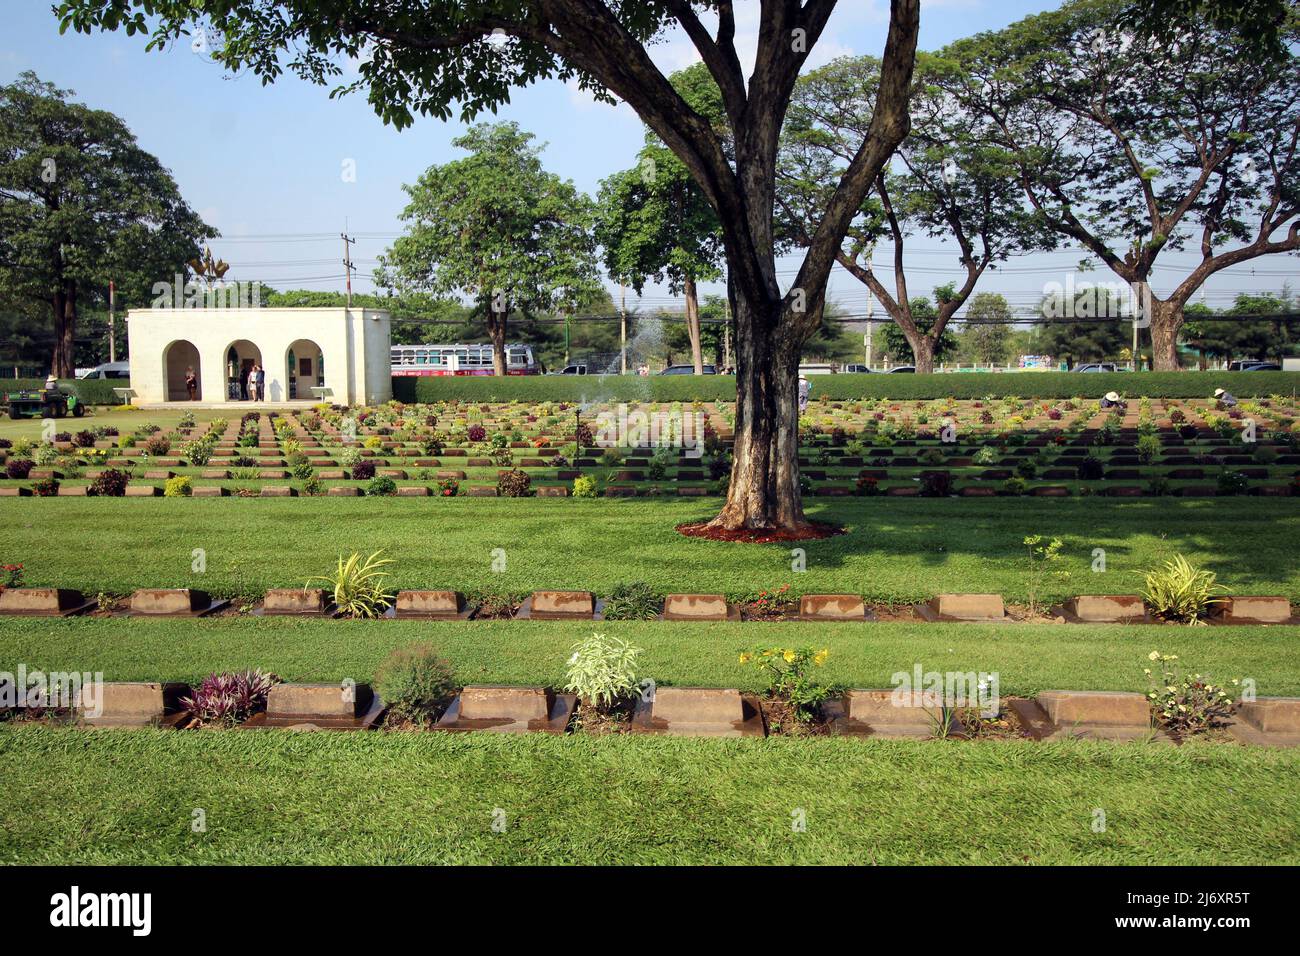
{"x":460,"y":360}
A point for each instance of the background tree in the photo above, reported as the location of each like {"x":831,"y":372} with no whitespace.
{"x":421,"y":56}
{"x":947,"y":182}
{"x":497,"y":227}
{"x":417,"y":317}
{"x":653,"y":221}
{"x":1130,"y":146}
{"x":1259,"y":23}
{"x":924,"y":318}
{"x":80,"y":204}
{"x":1082,"y":333}
{"x":986,"y":335}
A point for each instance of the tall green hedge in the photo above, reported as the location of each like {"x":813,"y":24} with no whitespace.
{"x":669,"y":388}
{"x":93,"y":391}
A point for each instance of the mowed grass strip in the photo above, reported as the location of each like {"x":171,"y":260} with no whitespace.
{"x":1026,"y":658}
{"x":896,"y":549}
{"x":128,"y":797}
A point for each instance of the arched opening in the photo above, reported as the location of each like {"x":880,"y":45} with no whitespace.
{"x":241,"y":357}
{"x":180,"y":368}
{"x":306,"y":367}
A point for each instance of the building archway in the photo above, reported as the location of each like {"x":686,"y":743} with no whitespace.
{"x":178,"y":358}
{"x":305,"y":363}
{"x":241,"y":356}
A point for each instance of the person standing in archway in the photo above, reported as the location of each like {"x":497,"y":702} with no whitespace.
{"x":191,"y":383}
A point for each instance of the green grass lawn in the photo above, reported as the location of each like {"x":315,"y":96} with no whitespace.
{"x":1028,"y":658}
{"x":897,"y":549}
{"x":104,"y":416}
{"x":129,"y":797}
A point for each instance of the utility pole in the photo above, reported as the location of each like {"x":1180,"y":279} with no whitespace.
{"x":726,"y":335}
{"x":112,"y":325}
{"x":622,"y":328}
{"x":871,"y":325}
{"x":347,"y":262}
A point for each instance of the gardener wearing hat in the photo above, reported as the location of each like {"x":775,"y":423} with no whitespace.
{"x":1225,"y":399}
{"x":1112,"y":400}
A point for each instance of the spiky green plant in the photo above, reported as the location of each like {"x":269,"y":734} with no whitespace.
{"x":358,"y":586}
{"x":1181,"y":592}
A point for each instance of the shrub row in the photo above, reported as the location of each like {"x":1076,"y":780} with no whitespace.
{"x":684,"y":388}
{"x":92,"y":391}
{"x":709,"y":388}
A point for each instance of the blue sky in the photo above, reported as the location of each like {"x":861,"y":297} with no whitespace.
{"x":264,"y":164}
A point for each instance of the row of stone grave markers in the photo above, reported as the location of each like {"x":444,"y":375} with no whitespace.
{"x":896,"y":470}
{"x":691,"y":712}
{"x":585,"y":606}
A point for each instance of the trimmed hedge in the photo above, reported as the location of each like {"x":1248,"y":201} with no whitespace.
{"x":93,"y":391}
{"x":683,"y":388}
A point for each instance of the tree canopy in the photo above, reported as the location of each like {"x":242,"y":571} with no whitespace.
{"x":654,"y":222}
{"x":82,"y":204}
{"x":1129,"y":145}
{"x":496,"y":227}
{"x":947,"y":182}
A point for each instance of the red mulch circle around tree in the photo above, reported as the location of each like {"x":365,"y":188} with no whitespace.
{"x":811,"y":530}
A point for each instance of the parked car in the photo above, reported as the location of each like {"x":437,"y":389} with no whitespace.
{"x":687,"y":370}
{"x":1096,"y":367}
{"x":1262,"y":367}
{"x":860,"y":369}
{"x":903,"y":369}
{"x":110,"y":370}
{"x":572,"y":370}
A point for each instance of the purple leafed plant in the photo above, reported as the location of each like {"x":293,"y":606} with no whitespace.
{"x":231,"y":698}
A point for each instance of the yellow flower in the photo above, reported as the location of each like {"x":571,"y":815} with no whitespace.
{"x":744,"y":658}
{"x":1153,"y":656}
{"x":789,"y":657}
{"x":821,"y":656}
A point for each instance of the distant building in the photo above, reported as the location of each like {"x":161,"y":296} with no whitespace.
{"x":344,"y":351}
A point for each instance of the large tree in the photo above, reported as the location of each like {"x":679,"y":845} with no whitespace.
{"x":81,"y":203}
{"x":420,"y":56}
{"x":924,"y":317}
{"x":1081,"y":331}
{"x":1130,"y":145}
{"x":947,"y":182}
{"x":499,"y":228}
{"x":987,"y":327}
{"x":1238,"y":334}
{"x":653,"y":221}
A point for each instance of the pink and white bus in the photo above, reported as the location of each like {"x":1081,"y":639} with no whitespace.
{"x":460,"y":360}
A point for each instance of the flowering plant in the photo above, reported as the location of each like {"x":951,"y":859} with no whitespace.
{"x":1183,"y":704}
{"x":769,"y":605}
{"x":790,"y":676}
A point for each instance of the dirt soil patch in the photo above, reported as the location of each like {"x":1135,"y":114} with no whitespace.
{"x":810,"y":531}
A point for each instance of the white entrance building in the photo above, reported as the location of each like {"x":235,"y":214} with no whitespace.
{"x":341,"y":356}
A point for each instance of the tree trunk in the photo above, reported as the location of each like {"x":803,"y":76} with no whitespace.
{"x":1166,"y":320}
{"x":693,"y":324}
{"x":923,"y":354}
{"x":63,"y":362}
{"x":764,"y":488}
{"x":497,"y":329}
